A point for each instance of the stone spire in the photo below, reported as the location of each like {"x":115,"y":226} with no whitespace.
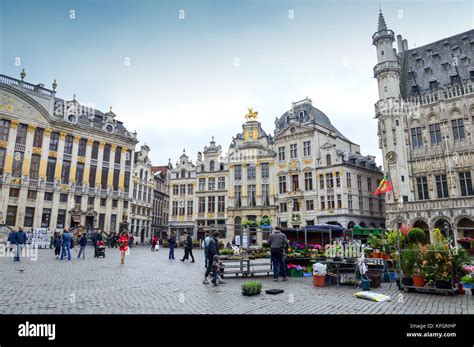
{"x":382,"y":25}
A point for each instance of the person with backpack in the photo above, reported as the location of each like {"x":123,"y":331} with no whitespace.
{"x":188,"y":248}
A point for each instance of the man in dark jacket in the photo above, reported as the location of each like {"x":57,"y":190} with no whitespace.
{"x":172,"y":242}
{"x":188,"y":248}
{"x":213,"y":249}
{"x":278,"y":243}
{"x":82,"y":244}
{"x":20,"y":241}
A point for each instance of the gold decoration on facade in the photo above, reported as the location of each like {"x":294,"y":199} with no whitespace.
{"x":101,"y":144}
{"x":3,"y":144}
{"x":14,"y":124}
{"x":9,"y":107}
{"x":64,"y":187}
{"x":293,"y":164}
{"x":76,"y":138}
{"x":90,"y":142}
{"x":53,"y":154}
{"x":62,"y":135}
{"x":16,"y":180}
{"x":124,"y":150}
{"x":113,"y":147}
{"x":47,"y":132}
{"x":81,"y":159}
{"x":282,"y":165}
{"x":252,"y":115}
{"x":36,"y":150}
{"x":308,"y":161}
{"x":31,"y":128}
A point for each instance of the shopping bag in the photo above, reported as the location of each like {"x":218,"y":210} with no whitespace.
{"x":157,"y":247}
{"x":127,"y":252}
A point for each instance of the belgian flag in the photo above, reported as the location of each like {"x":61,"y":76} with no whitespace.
{"x":384,"y":186}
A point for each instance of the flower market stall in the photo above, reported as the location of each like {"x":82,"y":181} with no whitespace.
{"x":438,"y":267}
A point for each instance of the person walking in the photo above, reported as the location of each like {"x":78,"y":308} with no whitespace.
{"x":188,"y":248}
{"x":130,"y":241}
{"x":172,"y":242}
{"x":57,"y":246}
{"x":11,"y":241}
{"x":20,"y":241}
{"x":278,"y":243}
{"x":82,"y":244}
{"x":66,"y":245}
{"x":97,"y":238}
{"x":212,"y":251}
{"x":123,"y":244}
{"x":154,"y":240}
{"x":205,"y":244}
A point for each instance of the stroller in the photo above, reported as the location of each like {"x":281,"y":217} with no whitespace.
{"x":100,"y":250}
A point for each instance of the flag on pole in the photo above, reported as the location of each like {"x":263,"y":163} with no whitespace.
{"x":384,"y":186}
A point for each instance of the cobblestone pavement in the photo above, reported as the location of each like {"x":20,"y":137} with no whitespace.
{"x":149,"y":283}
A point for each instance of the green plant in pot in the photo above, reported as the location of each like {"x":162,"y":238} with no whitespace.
{"x":251,"y":288}
{"x":375,"y":242}
{"x":408,"y":259}
{"x":416,"y":236}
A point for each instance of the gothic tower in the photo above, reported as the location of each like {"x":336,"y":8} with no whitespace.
{"x":389,"y":112}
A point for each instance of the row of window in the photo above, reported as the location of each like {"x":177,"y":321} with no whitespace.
{"x":465,"y":184}
{"x":214,"y":204}
{"x":328,"y":202}
{"x":457,"y":126}
{"x":142,"y":193}
{"x":252,"y":195}
{"x":22,"y":131}
{"x":252,"y":171}
{"x":294,"y":151}
{"x":46,"y":218}
{"x":63,"y":198}
{"x":328,"y":180}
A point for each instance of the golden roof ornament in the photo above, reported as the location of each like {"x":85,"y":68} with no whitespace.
{"x":252,"y":115}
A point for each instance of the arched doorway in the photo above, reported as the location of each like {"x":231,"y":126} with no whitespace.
{"x":465,"y":229}
{"x":372,"y":225}
{"x":424,"y":226}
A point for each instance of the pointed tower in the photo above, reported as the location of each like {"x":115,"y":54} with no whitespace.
{"x":389,"y":113}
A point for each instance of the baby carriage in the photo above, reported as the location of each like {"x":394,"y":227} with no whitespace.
{"x":100,"y":250}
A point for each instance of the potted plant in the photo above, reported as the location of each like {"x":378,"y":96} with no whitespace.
{"x":251,"y":288}
{"x":407,"y":264}
{"x":418,"y":269}
{"x":375,"y":277}
{"x":375,"y":243}
{"x":416,"y":236}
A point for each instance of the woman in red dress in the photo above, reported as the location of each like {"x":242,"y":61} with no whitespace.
{"x":123,"y":242}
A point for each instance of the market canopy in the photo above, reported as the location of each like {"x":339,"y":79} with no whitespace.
{"x":324,"y":227}
{"x":358,"y":230}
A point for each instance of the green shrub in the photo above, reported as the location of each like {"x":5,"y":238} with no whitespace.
{"x":226,"y":251}
{"x":467,"y":279}
{"x":265,"y":244}
{"x":408,"y":261}
{"x":251,"y":287}
{"x":416,"y":236}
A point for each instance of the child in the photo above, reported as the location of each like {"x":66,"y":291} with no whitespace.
{"x":215,"y":270}
{"x":57,"y":246}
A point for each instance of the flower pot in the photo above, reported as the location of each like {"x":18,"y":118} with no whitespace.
{"x":376,"y":255}
{"x":418,"y":281}
{"x":318,"y":280}
{"x":375,"y":277}
{"x":407,"y":281}
{"x":386,"y":256}
{"x":443,"y":284}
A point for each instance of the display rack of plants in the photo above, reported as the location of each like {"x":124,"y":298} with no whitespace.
{"x":251,"y":288}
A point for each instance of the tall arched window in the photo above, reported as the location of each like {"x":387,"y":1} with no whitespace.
{"x":141,"y":173}
{"x":183,"y":173}
{"x":221,"y":167}
{"x":328,"y":159}
{"x":146,"y":175}
{"x":211,"y":165}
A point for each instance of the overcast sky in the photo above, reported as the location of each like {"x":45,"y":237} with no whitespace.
{"x":178,"y":81}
